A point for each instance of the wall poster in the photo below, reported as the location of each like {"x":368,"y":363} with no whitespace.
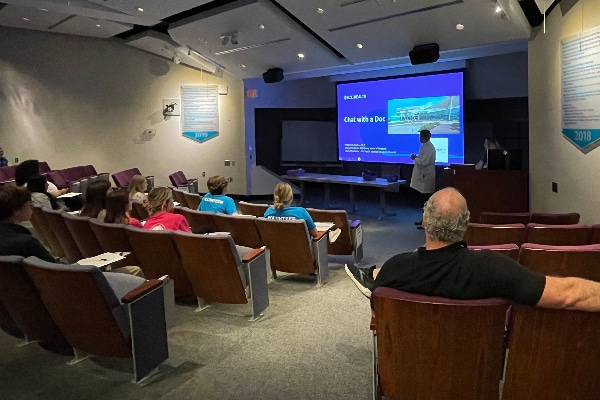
{"x":581,"y":89}
{"x":200,"y":112}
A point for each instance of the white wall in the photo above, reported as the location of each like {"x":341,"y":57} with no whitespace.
{"x":552,"y":157}
{"x":73,"y":100}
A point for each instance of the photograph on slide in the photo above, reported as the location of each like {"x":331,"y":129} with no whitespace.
{"x":441,"y":115}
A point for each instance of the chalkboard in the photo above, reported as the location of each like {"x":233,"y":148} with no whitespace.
{"x":309,"y":141}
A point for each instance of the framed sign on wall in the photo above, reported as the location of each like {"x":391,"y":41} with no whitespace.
{"x":200,"y":112}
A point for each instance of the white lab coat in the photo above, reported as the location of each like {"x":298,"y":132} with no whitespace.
{"x":423,"y":176}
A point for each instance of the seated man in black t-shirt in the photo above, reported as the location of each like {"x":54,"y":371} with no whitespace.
{"x":445,"y":267}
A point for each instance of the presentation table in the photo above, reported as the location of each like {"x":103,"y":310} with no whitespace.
{"x":351,"y":181}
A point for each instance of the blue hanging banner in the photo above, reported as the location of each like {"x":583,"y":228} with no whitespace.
{"x":581,"y":89}
{"x":200,"y":112}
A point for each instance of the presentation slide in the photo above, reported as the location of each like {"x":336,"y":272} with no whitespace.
{"x":380,"y":120}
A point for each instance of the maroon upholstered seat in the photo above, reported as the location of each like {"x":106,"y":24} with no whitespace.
{"x":496,"y":218}
{"x":555,"y":218}
{"x":580,"y":261}
{"x":437,"y":348}
{"x":487,"y":234}
{"x":509,"y":249}
{"x":559,"y":235}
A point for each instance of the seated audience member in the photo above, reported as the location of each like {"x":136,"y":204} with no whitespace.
{"x":216,"y":201}
{"x":118,"y":207}
{"x":16,"y":207}
{"x":28,"y":168}
{"x":95,"y":199}
{"x":445,"y":267}
{"x":38,"y":187}
{"x":160,"y":208}
{"x":3,"y":160}
{"x":137,"y":189}
{"x":281,"y":208}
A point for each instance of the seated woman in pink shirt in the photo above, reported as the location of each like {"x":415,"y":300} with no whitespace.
{"x":118,"y":207}
{"x":160,"y":208}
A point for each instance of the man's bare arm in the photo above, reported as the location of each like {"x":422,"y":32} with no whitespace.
{"x":571,"y":293}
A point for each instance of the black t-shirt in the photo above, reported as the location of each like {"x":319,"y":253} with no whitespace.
{"x":16,"y":240}
{"x":456,"y":272}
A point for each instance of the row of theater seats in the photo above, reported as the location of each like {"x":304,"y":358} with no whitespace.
{"x":73,"y":309}
{"x":496,"y":218}
{"x":122,"y":178}
{"x":249,"y":230}
{"x":559,"y":235}
{"x":436,"y":348}
{"x":74,"y":178}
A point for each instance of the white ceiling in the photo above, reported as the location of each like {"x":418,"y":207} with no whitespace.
{"x":271,"y":33}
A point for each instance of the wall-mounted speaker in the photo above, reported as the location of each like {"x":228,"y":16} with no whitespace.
{"x":425,"y":53}
{"x":273,"y":75}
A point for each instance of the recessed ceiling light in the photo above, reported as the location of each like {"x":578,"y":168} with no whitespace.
{"x":498,"y":9}
{"x":359,"y":45}
{"x":25,"y":19}
{"x":460,"y":27}
{"x":300,"y":55}
{"x":43,"y":9}
{"x":261,"y":26}
{"x":243,"y":65}
{"x":203,"y":40}
{"x":98,"y":25}
{"x":140,"y":9}
{"x":320,"y":10}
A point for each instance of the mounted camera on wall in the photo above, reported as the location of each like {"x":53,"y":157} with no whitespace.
{"x":171,"y":107}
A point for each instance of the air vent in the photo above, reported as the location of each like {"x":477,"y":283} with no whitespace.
{"x":253,"y":46}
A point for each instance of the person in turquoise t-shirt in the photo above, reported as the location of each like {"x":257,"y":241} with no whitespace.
{"x":282,"y":210}
{"x":216,"y":201}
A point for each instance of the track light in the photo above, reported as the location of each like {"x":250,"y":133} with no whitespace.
{"x":234,"y":38}
{"x":224,"y":40}
{"x":230,"y":37}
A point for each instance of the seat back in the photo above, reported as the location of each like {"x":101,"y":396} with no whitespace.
{"x":437,"y":348}
{"x":595,"y":237}
{"x":113,"y":239}
{"x":343,"y":244}
{"x":22,"y":302}
{"x":181,"y":177}
{"x":157,"y":256}
{"x":200,"y":221}
{"x":496,"y":218}
{"x":211,"y":263}
{"x":89,"y":170}
{"x":63,"y":235}
{"x":82,"y":234}
{"x":555,"y":218}
{"x":41,"y":227}
{"x":179,"y":197}
{"x":192,"y":200}
{"x":258,"y":210}
{"x":289,"y":244}
{"x":510,"y":249}
{"x":559,"y":235}
{"x":485,"y":234}
{"x":57,"y":178}
{"x":81,"y":303}
{"x":139,"y":211}
{"x":553,"y":354}
{"x":242,"y":229}
{"x":174,"y":180}
{"x":579,"y":261}
{"x":43,"y":167}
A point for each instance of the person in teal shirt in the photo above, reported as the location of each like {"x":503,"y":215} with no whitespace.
{"x":216,"y":201}
{"x":282,"y":210}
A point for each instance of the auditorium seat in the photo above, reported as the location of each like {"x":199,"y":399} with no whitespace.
{"x":559,"y":235}
{"x":104,"y":314}
{"x":63,"y":235}
{"x":555,"y":218}
{"x":509,"y":249}
{"x":192,"y":200}
{"x":258,"y":210}
{"x":82,"y":234}
{"x":139,"y":211}
{"x":113,"y":239}
{"x":200,"y":221}
{"x":437,"y":348}
{"x":350,"y":241}
{"x":293,"y":250}
{"x":242,"y":229}
{"x":179,"y":181}
{"x":579,"y":261}
{"x":20,"y":299}
{"x":180,"y":198}
{"x":122,"y":178}
{"x":157,"y":256}
{"x":552,"y":354}
{"x":496,"y":218}
{"x":595,"y":238}
{"x":218,"y":274}
{"x":487,"y":234}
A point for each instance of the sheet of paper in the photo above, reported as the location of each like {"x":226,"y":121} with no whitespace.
{"x":324,"y":226}
{"x":72,"y":194}
{"x":101,"y":260}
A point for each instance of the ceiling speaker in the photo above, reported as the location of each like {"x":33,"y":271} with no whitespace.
{"x":425,"y":53}
{"x":273,"y":75}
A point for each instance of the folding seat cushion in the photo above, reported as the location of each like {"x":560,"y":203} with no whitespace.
{"x":89,"y":170}
{"x":44,"y":167}
{"x":58,"y":179}
{"x":559,"y":235}
{"x":555,"y":218}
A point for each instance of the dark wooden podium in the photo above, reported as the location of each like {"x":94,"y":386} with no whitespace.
{"x":498,"y":191}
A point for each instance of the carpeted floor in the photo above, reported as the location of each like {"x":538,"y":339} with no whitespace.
{"x":312,"y":343}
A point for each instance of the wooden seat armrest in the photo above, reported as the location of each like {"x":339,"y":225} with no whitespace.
{"x":255,"y":253}
{"x":320,"y":234}
{"x":355,"y":223}
{"x":149,"y":176}
{"x":141,"y":290}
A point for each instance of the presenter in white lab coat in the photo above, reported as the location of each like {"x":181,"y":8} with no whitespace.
{"x":423,"y":175}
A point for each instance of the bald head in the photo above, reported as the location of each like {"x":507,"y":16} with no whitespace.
{"x":445,"y":216}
